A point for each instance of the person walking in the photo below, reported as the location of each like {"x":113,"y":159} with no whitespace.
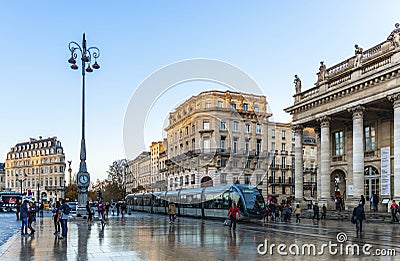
{"x":272,"y":209}
{"x":375,"y":198}
{"x":324,"y":210}
{"x":171,"y":212}
{"x":297,"y":212}
{"x":90,"y":215}
{"x":362,"y":201}
{"x":55,"y":211}
{"x":24,"y":218}
{"x":18,"y":208}
{"x":63,"y":215}
{"x":358,"y":217}
{"x":233,"y":212}
{"x":31,"y":218}
{"x":394,"y":209}
{"x":316,"y":211}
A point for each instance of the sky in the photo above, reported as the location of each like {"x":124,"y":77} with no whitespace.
{"x":269,"y":40}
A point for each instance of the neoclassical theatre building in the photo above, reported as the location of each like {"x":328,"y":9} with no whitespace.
{"x":355,"y":110}
{"x":218,"y":138}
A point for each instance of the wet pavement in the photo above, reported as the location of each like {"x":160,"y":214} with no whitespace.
{"x":142,"y":236}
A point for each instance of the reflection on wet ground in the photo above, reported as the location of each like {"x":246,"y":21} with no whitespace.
{"x":150,"y":237}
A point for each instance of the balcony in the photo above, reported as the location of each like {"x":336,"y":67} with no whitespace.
{"x":52,"y":188}
{"x":284,"y":152}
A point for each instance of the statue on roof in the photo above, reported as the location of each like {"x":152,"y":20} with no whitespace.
{"x":322,"y":74}
{"x":297,"y":84}
{"x":358,"y":52}
{"x":395,"y":36}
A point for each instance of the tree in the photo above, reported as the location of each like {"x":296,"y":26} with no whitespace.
{"x":71,"y":192}
{"x":116,"y":176}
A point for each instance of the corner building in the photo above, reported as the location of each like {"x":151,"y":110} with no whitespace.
{"x":39,"y":166}
{"x":355,"y":110}
{"x":218,"y":138}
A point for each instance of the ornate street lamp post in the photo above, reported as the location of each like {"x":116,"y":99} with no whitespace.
{"x":86,"y":55}
{"x":20,"y":179}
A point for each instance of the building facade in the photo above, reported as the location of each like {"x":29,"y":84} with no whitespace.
{"x":158,"y":178}
{"x":138,"y":176}
{"x":281,"y":179}
{"x":36,"y":167}
{"x":355,"y":110}
{"x":218,"y":138}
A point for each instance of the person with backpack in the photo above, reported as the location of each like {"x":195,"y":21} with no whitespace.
{"x":358,"y":217}
{"x":63,"y":215}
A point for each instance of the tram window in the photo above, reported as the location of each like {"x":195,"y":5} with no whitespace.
{"x":147,"y":201}
{"x":220,"y":201}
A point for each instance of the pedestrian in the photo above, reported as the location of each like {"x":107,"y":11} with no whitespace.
{"x":316,"y":211}
{"x":267,"y":213}
{"x":18,"y":207}
{"x":24,"y":218}
{"x":297,"y":212}
{"x":324,"y":210}
{"x":358,"y":217}
{"x":123,"y":208}
{"x":394,"y":210}
{"x":362,"y":200}
{"x":117,"y":208}
{"x":55,"y":211}
{"x":233,"y":213}
{"x":171,"y":212}
{"x":31,"y":218}
{"x":272,"y":210}
{"x":63,"y":215}
{"x":101,"y":209}
{"x":90,"y":215}
{"x":41,"y":208}
{"x":375,"y":198}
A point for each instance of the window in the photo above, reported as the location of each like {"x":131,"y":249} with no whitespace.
{"x":235,"y":145}
{"x":223,"y":163}
{"x":247,"y":179}
{"x":206,"y":144}
{"x":223,"y":143}
{"x":258,"y":179}
{"x":338,"y":143}
{"x":245,"y":106}
{"x":233,"y":105}
{"x":273,"y":134}
{"x":223,"y":125}
{"x":235,"y":126}
{"x":258,"y":128}
{"x":247,"y":127}
{"x":256,"y":108}
{"x":206,"y":125}
{"x":283,"y":162}
{"x":273,"y":189}
{"x":193,"y":181}
{"x":193,"y":128}
{"x":258,"y":147}
{"x":223,"y":178}
{"x":246,"y":146}
{"x":369,"y":134}
{"x":220,"y":104}
{"x":273,"y":146}
{"x":283,"y":147}
{"x":283,"y":134}
{"x":208,"y":105}
{"x":293,"y":138}
{"x":371,"y":183}
{"x":312,"y":151}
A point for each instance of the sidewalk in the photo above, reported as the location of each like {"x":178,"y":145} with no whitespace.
{"x":81,"y":243}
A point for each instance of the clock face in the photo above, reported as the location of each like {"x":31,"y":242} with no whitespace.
{"x":83,"y":179}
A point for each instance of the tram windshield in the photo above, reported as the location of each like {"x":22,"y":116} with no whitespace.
{"x":253,"y":198}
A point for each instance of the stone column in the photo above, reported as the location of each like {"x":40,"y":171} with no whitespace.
{"x":298,"y":163}
{"x":358,"y":151}
{"x":396,"y":141}
{"x":325,"y":173}
{"x":317,"y":131}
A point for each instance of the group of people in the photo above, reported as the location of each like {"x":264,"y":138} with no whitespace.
{"x":27,"y":215}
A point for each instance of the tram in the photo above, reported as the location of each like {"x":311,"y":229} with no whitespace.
{"x":9,"y":199}
{"x":208,"y":202}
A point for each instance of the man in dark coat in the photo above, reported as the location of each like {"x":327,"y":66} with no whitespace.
{"x":358,"y":217}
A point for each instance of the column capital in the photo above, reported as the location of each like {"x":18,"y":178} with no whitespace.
{"x":357,"y":111}
{"x":324,"y":121}
{"x":395,"y":99}
{"x":298,"y":129}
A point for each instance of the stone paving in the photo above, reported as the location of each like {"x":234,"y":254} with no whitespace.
{"x":143,"y":236}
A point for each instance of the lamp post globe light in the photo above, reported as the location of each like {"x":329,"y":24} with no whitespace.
{"x":86,"y":55}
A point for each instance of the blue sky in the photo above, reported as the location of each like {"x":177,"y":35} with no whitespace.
{"x":270,"y":40}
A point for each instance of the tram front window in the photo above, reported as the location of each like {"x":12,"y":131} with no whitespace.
{"x":253,"y":199}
